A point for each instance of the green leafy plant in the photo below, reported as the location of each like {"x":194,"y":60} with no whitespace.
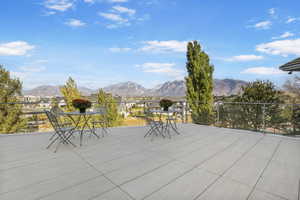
{"x":165,"y":104}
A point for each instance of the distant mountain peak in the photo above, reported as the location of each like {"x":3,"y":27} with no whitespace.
{"x":222,"y":87}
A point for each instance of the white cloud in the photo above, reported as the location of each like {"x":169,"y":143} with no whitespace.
{"x":118,"y":49}
{"x":284,"y":35}
{"x":125,"y":10}
{"x":272,"y":11}
{"x":162,"y":68}
{"x":117,"y":1}
{"x":262,"y":71}
{"x":281,"y":47}
{"x":89,"y":1}
{"x":113,"y":17}
{"x":244,"y":58}
{"x":59,"y":5}
{"x":165,"y":46}
{"x":16,"y":48}
{"x":263,"y":25}
{"x":75,"y":23}
{"x":20,"y":75}
{"x":32,"y":68}
{"x":48,"y":13}
{"x":291,"y":19}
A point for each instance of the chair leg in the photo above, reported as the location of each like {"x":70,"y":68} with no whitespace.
{"x":52,"y":136}
{"x":51,"y":143}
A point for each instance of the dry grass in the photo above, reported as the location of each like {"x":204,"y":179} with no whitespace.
{"x":132,"y":121}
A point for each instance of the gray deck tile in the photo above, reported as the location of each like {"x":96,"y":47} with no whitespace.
{"x":186,"y":187}
{"x":137,"y":169}
{"x":51,"y":186}
{"x":226,"y":189}
{"x":149,"y":183}
{"x":281,"y":179}
{"x":115,"y":194}
{"x":247,"y":170}
{"x":260,"y":195}
{"x":85,"y":190}
{"x":203,"y":162}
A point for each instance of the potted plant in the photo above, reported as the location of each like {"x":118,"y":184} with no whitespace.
{"x":81,"y":104}
{"x":165,"y":104}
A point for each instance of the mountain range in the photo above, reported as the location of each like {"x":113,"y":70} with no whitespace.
{"x":171,"y":88}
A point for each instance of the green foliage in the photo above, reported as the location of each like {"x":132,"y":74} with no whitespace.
{"x":70,"y":92}
{"x":292,"y":86}
{"x":54,"y":102}
{"x":258,"y":116}
{"x":199,"y":84}
{"x":10,"y":114}
{"x":107,"y":101}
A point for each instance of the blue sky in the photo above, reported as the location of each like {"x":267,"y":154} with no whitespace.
{"x":101,"y":42}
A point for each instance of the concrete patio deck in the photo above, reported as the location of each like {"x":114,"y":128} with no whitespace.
{"x":201,"y":163}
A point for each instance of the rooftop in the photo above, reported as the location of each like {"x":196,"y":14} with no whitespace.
{"x":293,"y":65}
{"x":201,"y":163}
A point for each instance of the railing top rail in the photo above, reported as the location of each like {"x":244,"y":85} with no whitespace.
{"x":258,"y":103}
{"x":157,"y":101}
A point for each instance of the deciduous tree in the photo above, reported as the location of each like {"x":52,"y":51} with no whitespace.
{"x":108,"y":102}
{"x":70,"y":92}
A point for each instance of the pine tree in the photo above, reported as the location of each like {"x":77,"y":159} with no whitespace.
{"x":11,"y":120}
{"x":199,"y":84}
{"x":70,"y":92}
{"x":109,"y":103}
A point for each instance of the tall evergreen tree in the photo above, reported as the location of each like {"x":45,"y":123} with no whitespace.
{"x":70,"y":92}
{"x":108,"y":102}
{"x":11,"y":120}
{"x":199,"y":84}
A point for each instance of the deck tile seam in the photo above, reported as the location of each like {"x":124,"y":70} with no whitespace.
{"x":29,"y":164}
{"x":205,"y":145}
{"x":112,"y":182}
{"x":261,"y":174}
{"x":129,"y":154}
{"x":116,"y":144}
{"x":195,"y":150}
{"x":150,"y":151}
{"x":299,"y":190}
{"x":193,"y":168}
{"x":245,"y":184}
{"x":41,"y":181}
{"x":68,"y":187}
{"x":230,"y":167}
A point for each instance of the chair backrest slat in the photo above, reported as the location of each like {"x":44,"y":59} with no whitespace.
{"x":53,"y":120}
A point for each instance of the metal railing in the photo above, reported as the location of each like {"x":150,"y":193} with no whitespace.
{"x":263,"y":117}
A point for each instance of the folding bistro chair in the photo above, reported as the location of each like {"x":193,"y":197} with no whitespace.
{"x":56,"y":111}
{"x":103,"y":121}
{"x":156,"y":126}
{"x":62,"y":134}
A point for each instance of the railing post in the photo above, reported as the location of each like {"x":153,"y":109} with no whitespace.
{"x":263,"y":113}
{"x":218,"y":114}
{"x":186,"y":112}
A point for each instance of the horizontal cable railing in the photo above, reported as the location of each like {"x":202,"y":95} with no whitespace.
{"x":256,"y":116}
